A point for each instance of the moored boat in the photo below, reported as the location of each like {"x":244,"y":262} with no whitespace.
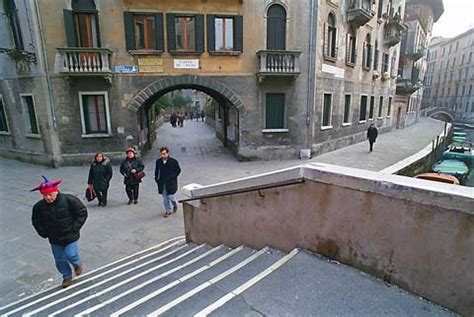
{"x":453,"y":168}
{"x":438,"y":177}
{"x":460,"y":151}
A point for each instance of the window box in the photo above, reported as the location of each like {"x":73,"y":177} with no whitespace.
{"x":145,"y":52}
{"x":326,"y":127}
{"x":346,"y":124}
{"x":33,"y":136}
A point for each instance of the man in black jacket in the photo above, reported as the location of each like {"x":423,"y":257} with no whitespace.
{"x":372,"y":134}
{"x":59,"y":217}
{"x":166,"y":176}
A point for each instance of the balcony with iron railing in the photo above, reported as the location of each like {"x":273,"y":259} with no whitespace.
{"x":85,"y":61}
{"x":359,"y":12}
{"x":278,"y":63}
{"x":394,"y":30}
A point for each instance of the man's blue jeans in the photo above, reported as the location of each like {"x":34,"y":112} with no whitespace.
{"x":63,"y":255}
{"x":168,"y":199}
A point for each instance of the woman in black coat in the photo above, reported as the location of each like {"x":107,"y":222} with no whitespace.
{"x":129,"y":168}
{"x":372,"y":134}
{"x":100,"y":174}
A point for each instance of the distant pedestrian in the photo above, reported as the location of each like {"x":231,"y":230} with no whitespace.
{"x":166,"y":176}
{"x":372,"y":134}
{"x":181,"y":119}
{"x":192,"y":115}
{"x":100,"y":174}
{"x":173,"y":119}
{"x":129,"y":167}
{"x":59,"y":217}
{"x":202,"y":115}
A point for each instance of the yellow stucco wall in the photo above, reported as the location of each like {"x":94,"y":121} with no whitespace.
{"x":113,"y":33}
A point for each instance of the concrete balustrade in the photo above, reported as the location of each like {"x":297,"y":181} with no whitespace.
{"x":413,"y":233}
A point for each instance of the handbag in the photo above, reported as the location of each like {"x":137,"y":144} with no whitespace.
{"x":90,"y":193}
{"x":139,"y":175}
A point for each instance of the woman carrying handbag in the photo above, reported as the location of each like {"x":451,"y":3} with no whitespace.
{"x":129,"y":168}
{"x":100,"y":174}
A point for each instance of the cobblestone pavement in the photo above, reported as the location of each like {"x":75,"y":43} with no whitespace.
{"x":118,"y":230}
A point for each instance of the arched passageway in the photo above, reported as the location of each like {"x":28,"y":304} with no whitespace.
{"x":225,"y":121}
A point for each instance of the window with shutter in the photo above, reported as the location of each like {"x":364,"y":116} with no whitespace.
{"x":363,"y":109}
{"x":30,"y":114}
{"x":330,"y":38}
{"x":274,"y":111}
{"x":327,"y":105}
{"x":371,"y":108}
{"x":276,"y":27}
{"x":94,"y":113}
{"x":380,"y":107}
{"x":3,"y":117}
{"x":347,"y":109}
{"x":12,"y":15}
{"x":82,"y":24}
{"x":185,"y":33}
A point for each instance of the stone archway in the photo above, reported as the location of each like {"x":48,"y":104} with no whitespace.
{"x":183,"y":80}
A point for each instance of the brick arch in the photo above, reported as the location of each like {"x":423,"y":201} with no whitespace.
{"x":206,"y":83}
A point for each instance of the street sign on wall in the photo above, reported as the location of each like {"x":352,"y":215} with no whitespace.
{"x":186,"y":63}
{"x":126,"y":69}
{"x":150,"y":65}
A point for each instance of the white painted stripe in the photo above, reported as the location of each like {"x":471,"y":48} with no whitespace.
{"x":132,"y":278}
{"x":91,"y":272}
{"x":205,"y":285}
{"x":82,"y":290}
{"x":131,"y":290}
{"x":239,"y":290}
{"x":176,"y":282}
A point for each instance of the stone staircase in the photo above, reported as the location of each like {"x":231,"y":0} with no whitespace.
{"x":179,"y":279}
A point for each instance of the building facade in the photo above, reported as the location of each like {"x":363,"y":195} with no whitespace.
{"x":27,"y":128}
{"x":356,"y":61}
{"x":284,"y":73}
{"x":449,"y":78}
{"x":419,"y":17}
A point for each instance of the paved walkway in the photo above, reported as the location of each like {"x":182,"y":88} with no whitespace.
{"x":118,"y":230}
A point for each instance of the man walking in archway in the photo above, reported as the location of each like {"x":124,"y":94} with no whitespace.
{"x":166,"y":176}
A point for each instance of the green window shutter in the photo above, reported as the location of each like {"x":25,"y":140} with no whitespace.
{"x":31,"y":115}
{"x":69,"y":27}
{"x":327,"y":110}
{"x":274,"y":111}
{"x":129,"y":32}
{"x":238,"y":34}
{"x":211,"y":33}
{"x":85,"y":114}
{"x":97,"y":25}
{"x":199,"y":33}
{"x":3,"y":118}
{"x":159,"y":34}
{"x":171,"y":31}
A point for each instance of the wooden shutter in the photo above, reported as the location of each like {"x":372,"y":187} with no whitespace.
{"x":348,"y":48}
{"x":369,"y":52}
{"x":336,"y":45}
{"x":69,"y":28}
{"x":238,"y":34}
{"x":274,"y":111}
{"x":129,"y":31}
{"x":97,"y":26}
{"x":159,"y":34}
{"x":325,"y":40}
{"x":199,"y":33}
{"x":211,"y":33}
{"x":171,"y":31}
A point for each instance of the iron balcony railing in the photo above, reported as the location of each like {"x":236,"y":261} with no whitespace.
{"x":85,"y":61}
{"x":275,"y":62}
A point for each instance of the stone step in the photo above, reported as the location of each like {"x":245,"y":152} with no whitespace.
{"x":90,"y":279}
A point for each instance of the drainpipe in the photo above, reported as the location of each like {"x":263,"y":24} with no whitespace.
{"x":46,"y":66}
{"x":311,"y":71}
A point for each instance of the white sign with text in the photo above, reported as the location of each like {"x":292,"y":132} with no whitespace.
{"x":186,"y":63}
